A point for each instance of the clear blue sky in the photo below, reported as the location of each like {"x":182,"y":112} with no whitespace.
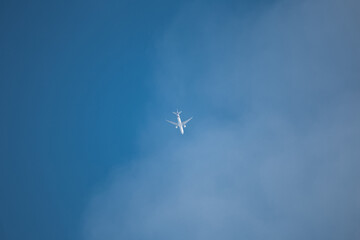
{"x":272,"y":152}
{"x":75,"y":78}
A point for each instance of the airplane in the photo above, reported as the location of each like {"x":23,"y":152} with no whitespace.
{"x":179,"y":124}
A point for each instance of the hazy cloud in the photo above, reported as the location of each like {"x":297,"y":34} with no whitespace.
{"x":273,"y":152}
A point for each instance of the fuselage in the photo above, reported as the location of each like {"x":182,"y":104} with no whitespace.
{"x":180,"y":124}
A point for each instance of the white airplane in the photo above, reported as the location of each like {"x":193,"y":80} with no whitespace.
{"x":179,"y":124}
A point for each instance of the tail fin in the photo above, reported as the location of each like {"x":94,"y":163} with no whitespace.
{"x":177,"y":113}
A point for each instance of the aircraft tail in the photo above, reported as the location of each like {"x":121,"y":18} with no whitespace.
{"x":177,"y":113}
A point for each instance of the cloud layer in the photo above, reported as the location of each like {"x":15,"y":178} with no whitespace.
{"x":273,"y":151}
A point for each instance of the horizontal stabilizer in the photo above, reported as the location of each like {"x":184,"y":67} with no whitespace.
{"x":177,"y":113}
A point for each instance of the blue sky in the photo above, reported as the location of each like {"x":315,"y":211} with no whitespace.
{"x":75,"y":81}
{"x":272,"y":151}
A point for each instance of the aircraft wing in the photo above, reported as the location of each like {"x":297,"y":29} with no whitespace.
{"x":172,"y":122}
{"x":185,"y":122}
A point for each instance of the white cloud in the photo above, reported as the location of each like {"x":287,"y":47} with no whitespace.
{"x":282,"y":163}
